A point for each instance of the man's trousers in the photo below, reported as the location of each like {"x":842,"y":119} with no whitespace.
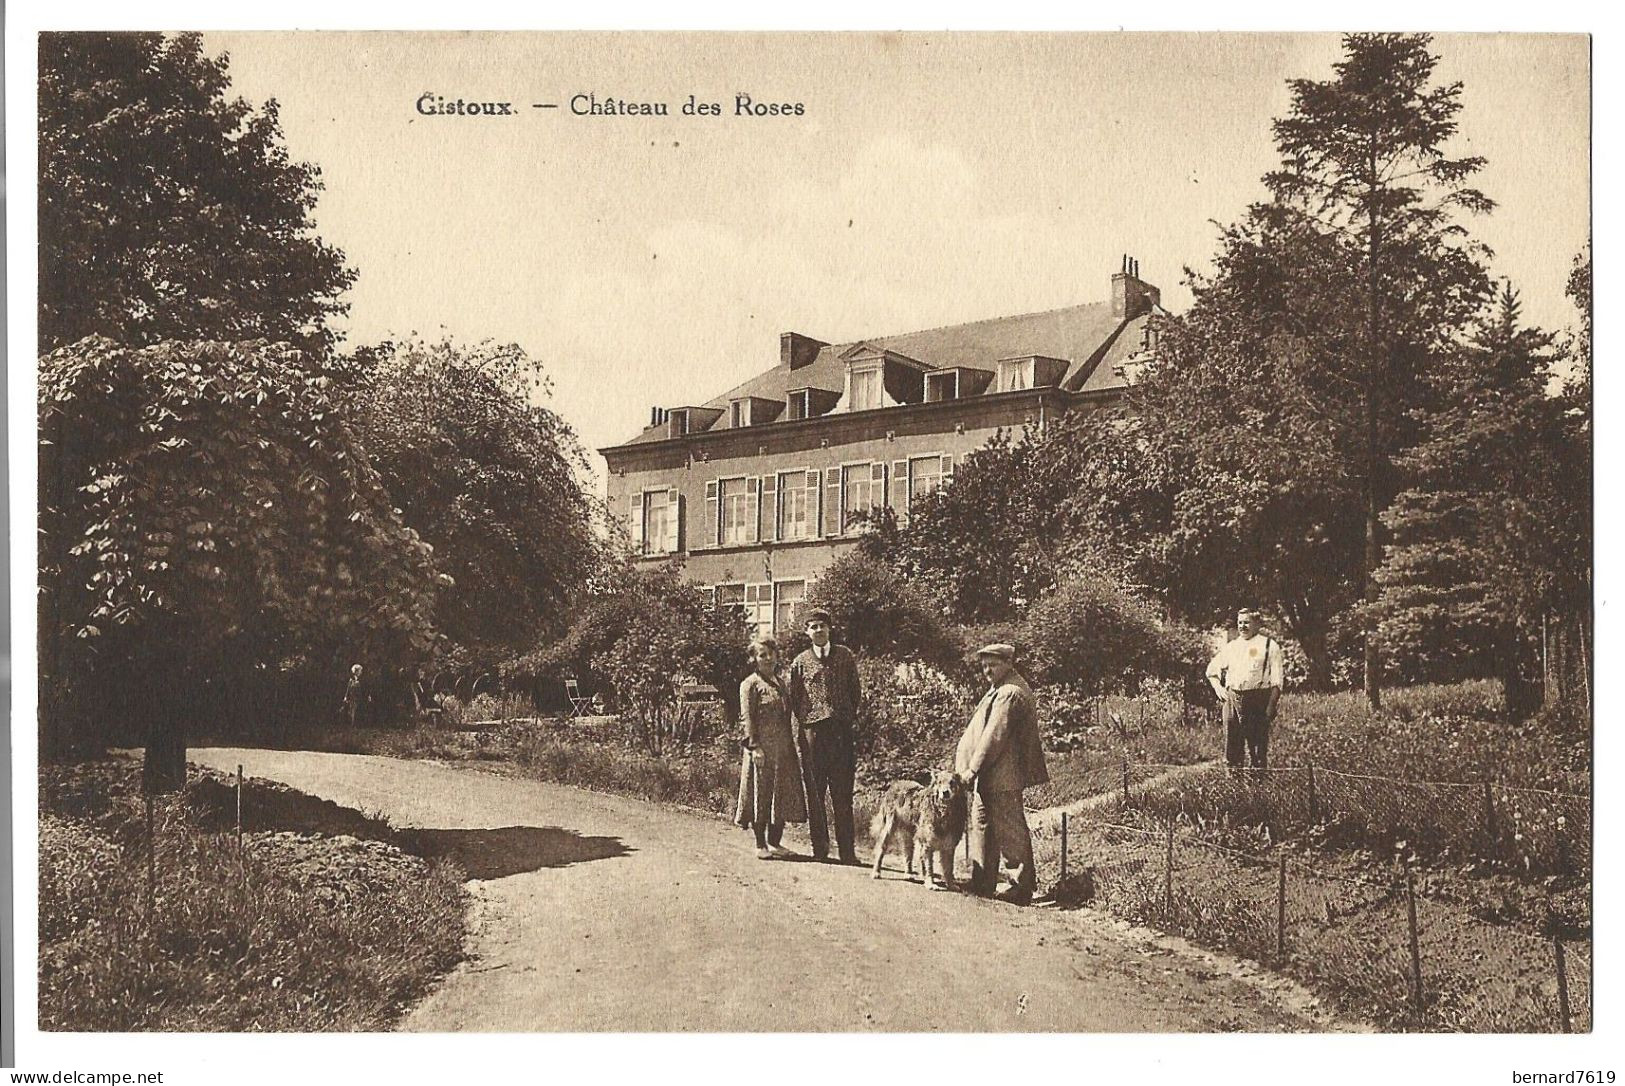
{"x":829,"y":763}
{"x":1247,"y":733}
{"x":998,"y":830}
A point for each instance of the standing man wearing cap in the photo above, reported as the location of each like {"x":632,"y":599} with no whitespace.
{"x":1000,"y":755}
{"x":1247,"y":674}
{"x":824,"y":696}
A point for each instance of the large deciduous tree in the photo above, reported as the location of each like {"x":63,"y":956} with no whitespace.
{"x":169,"y":209}
{"x":211,"y":534}
{"x":491,"y":477}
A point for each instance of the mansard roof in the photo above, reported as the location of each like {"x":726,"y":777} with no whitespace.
{"x":1088,"y":337}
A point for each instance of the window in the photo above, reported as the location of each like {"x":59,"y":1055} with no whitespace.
{"x":759,"y":608}
{"x":737,"y":496}
{"x":941,"y":386}
{"x":863,"y":488}
{"x":656,"y":520}
{"x":1015,"y":373}
{"x":787,"y":596}
{"x":796,"y":405}
{"x":863,"y":390}
{"x":798,"y":505}
{"x":741,"y":413}
{"x":730,"y":597}
{"x":679,"y":423}
{"x":924,"y":476}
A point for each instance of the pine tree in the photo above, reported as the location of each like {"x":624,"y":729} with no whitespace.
{"x":1470,"y":570}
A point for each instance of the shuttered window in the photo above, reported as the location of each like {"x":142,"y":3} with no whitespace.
{"x":797,"y":505}
{"x":737,"y":498}
{"x":658,"y":521}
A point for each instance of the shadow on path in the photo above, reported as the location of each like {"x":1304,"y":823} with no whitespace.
{"x":510,"y":850}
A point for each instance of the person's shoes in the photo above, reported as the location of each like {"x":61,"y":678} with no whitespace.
{"x":821,"y":857}
{"x":779,"y":851}
{"x":764,"y":854}
{"x":1015,"y":896}
{"x":849,"y":861}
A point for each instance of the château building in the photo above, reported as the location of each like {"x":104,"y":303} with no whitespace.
{"x":761,"y":487}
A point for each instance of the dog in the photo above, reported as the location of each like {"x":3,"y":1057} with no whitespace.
{"x":929,"y":818}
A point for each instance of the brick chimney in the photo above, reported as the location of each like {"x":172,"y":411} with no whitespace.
{"x":1131,"y":295}
{"x":797,"y":350}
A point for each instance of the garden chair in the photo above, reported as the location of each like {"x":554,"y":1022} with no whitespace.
{"x":579,"y":704}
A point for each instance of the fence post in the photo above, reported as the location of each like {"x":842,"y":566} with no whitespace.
{"x":239,"y":808}
{"x":1125,"y":782}
{"x":1563,"y":1016}
{"x":1063,"y":845}
{"x":1490,"y":833}
{"x":1168,"y":873}
{"x":1416,"y":945}
{"x":1280,"y":915}
{"x":151,"y":862}
{"x":1314,"y":807}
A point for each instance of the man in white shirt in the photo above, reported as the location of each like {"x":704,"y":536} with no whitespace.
{"x":1247,"y":675}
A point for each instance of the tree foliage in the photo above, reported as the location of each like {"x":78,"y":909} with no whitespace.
{"x":169,"y":209}
{"x":982,"y":545}
{"x":1367,"y":188}
{"x":207,"y":515}
{"x":879,"y":613}
{"x":1091,"y":635}
{"x":490,"y":477}
{"x":675,"y":639}
{"x":1469,"y":572}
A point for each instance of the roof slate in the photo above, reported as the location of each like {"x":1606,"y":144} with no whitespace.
{"x":1088,"y":337}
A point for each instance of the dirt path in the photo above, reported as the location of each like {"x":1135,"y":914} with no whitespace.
{"x":595,"y":912}
{"x":1052,"y":815}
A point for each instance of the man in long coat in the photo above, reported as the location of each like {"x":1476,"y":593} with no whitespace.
{"x":999,"y":756}
{"x":824,"y":695}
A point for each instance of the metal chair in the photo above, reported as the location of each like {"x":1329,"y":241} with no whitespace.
{"x":579,"y":704}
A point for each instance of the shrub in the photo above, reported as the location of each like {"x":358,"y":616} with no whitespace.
{"x":913,"y":717}
{"x":1090,"y":634}
{"x":879,"y":613}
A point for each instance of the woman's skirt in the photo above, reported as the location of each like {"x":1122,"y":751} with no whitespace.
{"x":770,"y":788}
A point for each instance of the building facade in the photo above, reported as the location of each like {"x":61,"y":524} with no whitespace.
{"x":757,"y":490}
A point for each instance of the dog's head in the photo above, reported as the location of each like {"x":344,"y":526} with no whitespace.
{"x":946,"y":788}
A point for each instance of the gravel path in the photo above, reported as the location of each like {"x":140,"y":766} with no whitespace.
{"x":596,"y":912}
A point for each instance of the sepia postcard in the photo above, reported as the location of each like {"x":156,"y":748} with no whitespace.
{"x":542,"y":535}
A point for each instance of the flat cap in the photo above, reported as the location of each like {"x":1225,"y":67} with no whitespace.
{"x":999,"y":649}
{"x":818,"y":613}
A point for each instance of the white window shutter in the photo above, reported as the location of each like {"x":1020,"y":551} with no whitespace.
{"x":899,"y":488}
{"x":753,"y":515}
{"x":674,"y":521}
{"x":832,"y":501}
{"x":770,"y":508}
{"x":635,"y":521}
{"x":713,"y":515}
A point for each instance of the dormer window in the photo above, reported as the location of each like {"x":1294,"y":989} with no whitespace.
{"x":679,"y":423}
{"x":1015,"y":374}
{"x":740,"y":414}
{"x":863,"y":389}
{"x":942,"y":386}
{"x":796,"y":406}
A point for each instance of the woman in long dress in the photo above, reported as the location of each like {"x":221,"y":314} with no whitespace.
{"x":769,"y":772}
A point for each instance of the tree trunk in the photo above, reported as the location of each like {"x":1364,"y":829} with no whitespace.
{"x":1317,"y":656}
{"x":163,"y":769}
{"x":1373,"y":444}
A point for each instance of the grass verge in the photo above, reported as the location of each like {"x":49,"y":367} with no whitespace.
{"x":298,"y":931}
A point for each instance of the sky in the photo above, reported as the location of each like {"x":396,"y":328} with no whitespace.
{"x":930,"y":179}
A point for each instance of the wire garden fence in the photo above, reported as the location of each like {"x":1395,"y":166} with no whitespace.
{"x":1229,"y":860}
